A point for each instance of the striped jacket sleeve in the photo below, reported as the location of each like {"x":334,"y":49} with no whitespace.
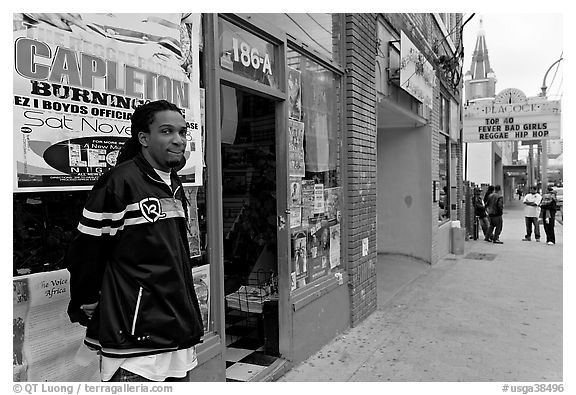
{"x":88,"y":254}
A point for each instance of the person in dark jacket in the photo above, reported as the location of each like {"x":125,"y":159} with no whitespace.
{"x":495,"y":208}
{"x":489,"y":192}
{"x":548,"y":207}
{"x":131,"y":279}
{"x":480,"y":212}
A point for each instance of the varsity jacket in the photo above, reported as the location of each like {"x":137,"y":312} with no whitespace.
{"x":131,"y":255}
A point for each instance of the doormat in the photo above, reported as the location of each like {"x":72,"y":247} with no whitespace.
{"x":480,"y":256}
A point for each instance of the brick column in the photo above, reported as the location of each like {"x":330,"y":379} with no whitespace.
{"x":360,"y":143}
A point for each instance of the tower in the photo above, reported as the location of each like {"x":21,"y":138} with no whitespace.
{"x":485,"y":161}
{"x":480,"y":80}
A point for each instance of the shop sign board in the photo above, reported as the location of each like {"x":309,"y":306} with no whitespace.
{"x":77,"y":79}
{"x":517,"y":118}
{"x":248,"y":55}
{"x":416,"y":73}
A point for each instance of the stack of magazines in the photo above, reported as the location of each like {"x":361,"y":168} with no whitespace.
{"x":249,"y":298}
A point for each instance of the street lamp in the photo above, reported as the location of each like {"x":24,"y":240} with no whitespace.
{"x":544,"y":178}
{"x":544,"y":87}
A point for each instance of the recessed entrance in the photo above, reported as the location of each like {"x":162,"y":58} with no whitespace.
{"x":250,"y":240}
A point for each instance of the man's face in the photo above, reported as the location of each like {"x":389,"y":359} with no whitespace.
{"x":165,"y":144}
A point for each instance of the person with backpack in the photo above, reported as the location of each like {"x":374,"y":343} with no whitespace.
{"x":548,"y":207}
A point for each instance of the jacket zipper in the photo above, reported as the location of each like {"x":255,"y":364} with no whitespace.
{"x":136,"y":311}
{"x":164,"y":185}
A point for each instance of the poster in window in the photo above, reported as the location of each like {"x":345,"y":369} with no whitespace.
{"x":73,"y":96}
{"x":20,"y":303}
{"x":201,"y":276}
{"x":295,"y":192}
{"x":47,"y":346}
{"x":193,"y":224}
{"x":203,"y":125}
{"x":319,"y":205}
{"x":307,"y":201}
{"x":318,"y":249}
{"x":294,"y":98}
{"x":334,"y":246}
{"x":299,"y":256}
{"x":295,"y":217}
{"x":296,"y":148}
{"x":332,"y":199}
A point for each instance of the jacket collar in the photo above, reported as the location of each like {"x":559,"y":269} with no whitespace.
{"x":147,"y":168}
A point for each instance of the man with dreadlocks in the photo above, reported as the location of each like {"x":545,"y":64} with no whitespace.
{"x":130,"y":273}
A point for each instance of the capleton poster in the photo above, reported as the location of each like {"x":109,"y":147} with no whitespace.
{"x":77,"y":79}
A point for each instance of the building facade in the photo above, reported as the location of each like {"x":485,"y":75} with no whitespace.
{"x":328,"y":139}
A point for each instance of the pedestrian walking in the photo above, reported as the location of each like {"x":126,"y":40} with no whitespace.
{"x":548,"y":207}
{"x":130,"y":273}
{"x":495,"y":209}
{"x":532,"y":213}
{"x":519,"y":192}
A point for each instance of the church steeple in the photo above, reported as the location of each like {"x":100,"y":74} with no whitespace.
{"x":480,"y":80}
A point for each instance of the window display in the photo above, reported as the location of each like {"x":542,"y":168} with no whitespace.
{"x":44,"y":225}
{"x":315,"y":181}
{"x":444,"y":161}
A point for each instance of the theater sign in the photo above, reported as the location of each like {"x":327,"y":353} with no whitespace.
{"x":511,"y":116}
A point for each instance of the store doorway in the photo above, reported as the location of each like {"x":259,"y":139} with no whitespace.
{"x":248,"y":124}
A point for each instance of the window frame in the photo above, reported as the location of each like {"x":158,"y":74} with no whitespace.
{"x":444,"y":133}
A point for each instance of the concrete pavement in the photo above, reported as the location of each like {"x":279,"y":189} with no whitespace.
{"x":492,"y":314}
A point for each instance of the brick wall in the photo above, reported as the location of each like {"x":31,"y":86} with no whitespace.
{"x":424,"y":32}
{"x":361,"y":34}
{"x":435,"y":168}
{"x":361,"y":162}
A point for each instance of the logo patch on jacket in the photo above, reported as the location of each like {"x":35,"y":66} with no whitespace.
{"x":151,"y":209}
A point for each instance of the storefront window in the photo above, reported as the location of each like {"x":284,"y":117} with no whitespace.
{"x":315,"y":180}
{"x":44,"y":224}
{"x":320,"y":32}
{"x":444,"y":160}
{"x":444,"y":202}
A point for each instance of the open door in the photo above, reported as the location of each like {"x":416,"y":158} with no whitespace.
{"x":250,"y":237}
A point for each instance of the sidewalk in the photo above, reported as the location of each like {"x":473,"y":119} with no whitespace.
{"x":492,"y":314}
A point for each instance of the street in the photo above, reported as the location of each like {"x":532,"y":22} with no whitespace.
{"x":496,"y":317}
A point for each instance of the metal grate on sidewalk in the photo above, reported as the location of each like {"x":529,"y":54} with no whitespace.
{"x":480,"y":256}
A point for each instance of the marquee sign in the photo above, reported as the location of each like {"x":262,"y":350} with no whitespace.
{"x":512,"y":116}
